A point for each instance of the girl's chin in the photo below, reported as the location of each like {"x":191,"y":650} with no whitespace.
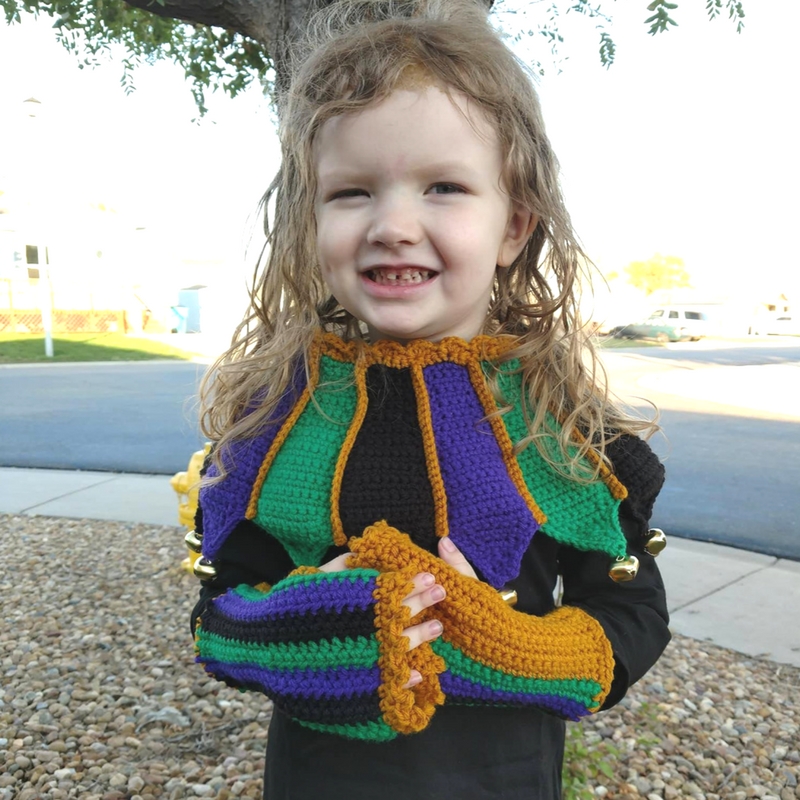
{"x":403,"y":335}
{"x":397,"y":333}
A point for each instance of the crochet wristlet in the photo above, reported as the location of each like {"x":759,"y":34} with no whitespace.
{"x":327,"y":648}
{"x":561,"y":662}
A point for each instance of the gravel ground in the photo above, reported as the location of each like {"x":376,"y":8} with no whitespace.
{"x":100,"y":698}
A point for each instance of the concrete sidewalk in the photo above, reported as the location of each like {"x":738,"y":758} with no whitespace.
{"x":744,"y":601}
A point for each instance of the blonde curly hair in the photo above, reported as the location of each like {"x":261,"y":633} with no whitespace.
{"x":355,"y":54}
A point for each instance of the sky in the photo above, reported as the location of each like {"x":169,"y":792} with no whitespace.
{"x":686,"y":146}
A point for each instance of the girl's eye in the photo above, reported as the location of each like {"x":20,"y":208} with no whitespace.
{"x":347,"y":193}
{"x":446,"y":188}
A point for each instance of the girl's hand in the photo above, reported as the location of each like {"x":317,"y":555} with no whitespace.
{"x":451,"y":555}
{"x":425,"y":593}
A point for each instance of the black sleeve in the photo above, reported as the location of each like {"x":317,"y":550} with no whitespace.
{"x":633,"y":615}
{"x":249,"y":555}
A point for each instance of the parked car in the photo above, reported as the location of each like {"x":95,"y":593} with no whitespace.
{"x":777,"y":326}
{"x":667,"y":325}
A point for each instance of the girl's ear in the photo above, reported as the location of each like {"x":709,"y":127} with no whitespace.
{"x":520,"y":227}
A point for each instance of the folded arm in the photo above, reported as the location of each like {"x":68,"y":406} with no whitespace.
{"x":561,"y":662}
{"x":334,"y":650}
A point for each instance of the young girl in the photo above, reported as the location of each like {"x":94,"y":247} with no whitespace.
{"x":410,"y":443}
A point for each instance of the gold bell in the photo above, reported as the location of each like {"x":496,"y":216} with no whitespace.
{"x":656,"y":541}
{"x":194,"y":541}
{"x":624,"y":569}
{"x":509,"y":596}
{"x":204,"y":569}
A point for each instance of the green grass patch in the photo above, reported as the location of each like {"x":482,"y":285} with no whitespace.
{"x":25,"y":348}
{"x":585,"y":765}
{"x":611,"y":342}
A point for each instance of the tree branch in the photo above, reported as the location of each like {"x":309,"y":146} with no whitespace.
{"x":256,"y":19}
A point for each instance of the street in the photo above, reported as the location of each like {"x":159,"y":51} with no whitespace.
{"x":730,"y":438}
{"x":729,"y":414}
{"x":137,"y":416}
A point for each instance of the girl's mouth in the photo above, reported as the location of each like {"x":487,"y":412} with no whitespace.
{"x":399,"y":276}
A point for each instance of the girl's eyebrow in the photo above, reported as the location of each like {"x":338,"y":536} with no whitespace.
{"x":446,"y":169}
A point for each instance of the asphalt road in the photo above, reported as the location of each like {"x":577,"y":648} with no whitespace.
{"x":729,"y":412}
{"x":136,"y":416}
{"x":730,"y":438}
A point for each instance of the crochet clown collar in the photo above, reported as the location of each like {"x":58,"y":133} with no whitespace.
{"x":418,"y":353}
{"x":291,"y":478}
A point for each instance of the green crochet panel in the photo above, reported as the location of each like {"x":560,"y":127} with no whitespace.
{"x":295,"y":504}
{"x":350,"y":576}
{"x":322,"y":654}
{"x":572,"y":509}
{"x":377,"y":731}
{"x":583,"y":690}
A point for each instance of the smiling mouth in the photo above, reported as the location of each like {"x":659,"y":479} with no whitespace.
{"x":400,"y":276}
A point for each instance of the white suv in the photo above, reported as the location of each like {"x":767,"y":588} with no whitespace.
{"x":668,"y":325}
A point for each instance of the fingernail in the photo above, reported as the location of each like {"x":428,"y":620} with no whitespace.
{"x":435,"y":629}
{"x":437,"y":593}
{"x":428,"y":579}
{"x":448,"y":545}
{"x":415,"y":679}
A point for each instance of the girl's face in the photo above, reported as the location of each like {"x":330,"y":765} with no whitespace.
{"x":412,"y":219}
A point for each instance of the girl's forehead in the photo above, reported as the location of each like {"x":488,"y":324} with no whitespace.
{"x":417,"y":84}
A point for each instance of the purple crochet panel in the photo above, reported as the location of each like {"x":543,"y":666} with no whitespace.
{"x":314,"y":598}
{"x":336,"y":682}
{"x":460,"y":689}
{"x":489,"y":520}
{"x":225,"y":504}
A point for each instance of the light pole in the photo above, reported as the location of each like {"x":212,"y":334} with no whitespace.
{"x":32,"y":107}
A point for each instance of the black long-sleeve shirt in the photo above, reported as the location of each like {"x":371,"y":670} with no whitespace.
{"x":466,"y":752}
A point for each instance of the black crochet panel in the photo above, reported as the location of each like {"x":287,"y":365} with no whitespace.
{"x":388,"y":451}
{"x":642,"y":474}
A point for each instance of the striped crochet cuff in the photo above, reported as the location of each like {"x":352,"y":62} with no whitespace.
{"x":327,"y":648}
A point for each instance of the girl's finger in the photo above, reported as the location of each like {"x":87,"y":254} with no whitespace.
{"x":417,"y":601}
{"x":422,"y":582}
{"x":424,"y":632}
{"x":337,"y":564}
{"x":415,"y":678}
{"x":451,"y":555}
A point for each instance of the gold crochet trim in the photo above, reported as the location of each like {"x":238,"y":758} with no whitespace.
{"x":304,"y":570}
{"x":419,"y":353}
{"x":339,"y":536}
{"x":441,"y":523}
{"x":404,"y":710}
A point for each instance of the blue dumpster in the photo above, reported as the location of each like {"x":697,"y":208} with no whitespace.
{"x":178,"y":318}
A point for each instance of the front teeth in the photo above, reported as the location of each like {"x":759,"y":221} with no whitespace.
{"x":387,"y":277}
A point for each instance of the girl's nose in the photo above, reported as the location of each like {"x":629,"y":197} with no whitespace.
{"x":395,"y":222}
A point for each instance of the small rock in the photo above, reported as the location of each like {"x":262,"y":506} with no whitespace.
{"x":63,"y":774}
